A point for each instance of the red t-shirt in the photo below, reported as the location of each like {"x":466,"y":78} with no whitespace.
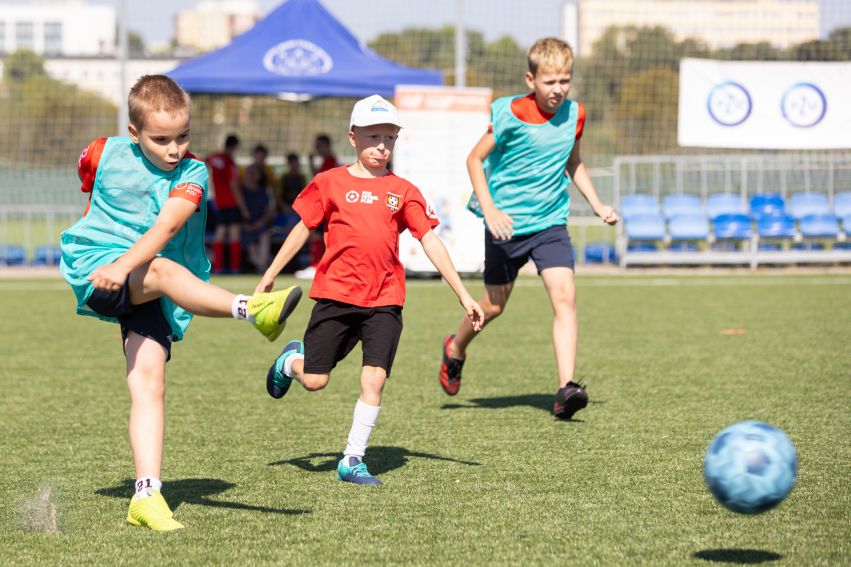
{"x":363,"y":219}
{"x":224,"y":172}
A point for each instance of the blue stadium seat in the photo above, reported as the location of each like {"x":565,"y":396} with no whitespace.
{"x":819,"y":226}
{"x":732,"y":227}
{"x":688,"y":227}
{"x":649,"y":226}
{"x":673,"y":205}
{"x":48,"y":255}
{"x":842,"y":204}
{"x":846,"y":224}
{"x":776,"y":226}
{"x":638,"y":204}
{"x":600,"y":253}
{"x":766,"y":204}
{"x":802,"y":204}
{"x":12,"y":255}
{"x":724,"y":204}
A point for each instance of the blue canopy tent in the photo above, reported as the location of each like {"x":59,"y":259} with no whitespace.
{"x":298,"y":51}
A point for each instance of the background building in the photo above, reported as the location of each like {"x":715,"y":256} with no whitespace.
{"x":718,"y":23}
{"x":58,"y":27}
{"x":214,"y":23}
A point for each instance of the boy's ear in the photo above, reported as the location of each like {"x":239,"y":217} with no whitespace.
{"x":530,"y":80}
{"x":134,"y":133}
{"x":352,"y":136}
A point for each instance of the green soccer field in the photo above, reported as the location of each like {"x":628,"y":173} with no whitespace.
{"x":487,"y":477}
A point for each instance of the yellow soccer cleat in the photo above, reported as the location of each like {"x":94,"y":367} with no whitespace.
{"x":152,"y":512}
{"x":269,"y":311}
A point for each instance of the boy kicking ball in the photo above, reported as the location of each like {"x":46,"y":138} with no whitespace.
{"x":137,"y":258}
{"x":359,"y":285}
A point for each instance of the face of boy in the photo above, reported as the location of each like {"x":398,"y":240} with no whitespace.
{"x":164,"y":139}
{"x":551,"y":88}
{"x":374,"y":144}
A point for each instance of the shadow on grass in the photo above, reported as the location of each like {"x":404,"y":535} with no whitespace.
{"x":195,"y":491}
{"x":742,"y":556}
{"x":379,"y":460}
{"x":537,"y":401}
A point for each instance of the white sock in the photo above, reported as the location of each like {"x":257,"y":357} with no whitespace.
{"x":363,"y":421}
{"x":288,"y":363}
{"x":147,"y":485}
{"x":239,"y":308}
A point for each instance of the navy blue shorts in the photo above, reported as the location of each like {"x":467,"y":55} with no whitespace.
{"x":335,"y":328}
{"x":549,"y":248}
{"x":145,"y":319}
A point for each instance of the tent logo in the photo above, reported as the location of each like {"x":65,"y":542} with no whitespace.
{"x":297,"y":58}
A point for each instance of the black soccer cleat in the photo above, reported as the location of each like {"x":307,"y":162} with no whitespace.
{"x":570,"y":400}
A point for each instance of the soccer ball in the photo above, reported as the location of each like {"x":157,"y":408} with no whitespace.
{"x":750,"y":467}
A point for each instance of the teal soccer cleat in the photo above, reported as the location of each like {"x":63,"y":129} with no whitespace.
{"x":355,"y":472}
{"x":277,"y":383}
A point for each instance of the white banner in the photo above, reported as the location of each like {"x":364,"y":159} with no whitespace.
{"x":765,"y":105}
{"x":441,"y":126}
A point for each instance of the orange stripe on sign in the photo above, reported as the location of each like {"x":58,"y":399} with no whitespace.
{"x":424,"y":99}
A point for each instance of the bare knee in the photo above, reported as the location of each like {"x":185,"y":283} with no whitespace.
{"x":564,"y":300}
{"x":314,"y":382}
{"x":148,"y":383}
{"x":492,"y":310}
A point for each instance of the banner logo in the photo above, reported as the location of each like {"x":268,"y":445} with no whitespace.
{"x":729,"y":104}
{"x":803,"y":105}
{"x":297,"y":58}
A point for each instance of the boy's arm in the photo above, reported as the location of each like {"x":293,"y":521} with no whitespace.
{"x":579,"y":174}
{"x":174,"y":214}
{"x":294,"y":242}
{"x":436,"y":252}
{"x":499,"y":224}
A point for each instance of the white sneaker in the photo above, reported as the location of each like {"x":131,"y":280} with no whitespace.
{"x":306,"y":274}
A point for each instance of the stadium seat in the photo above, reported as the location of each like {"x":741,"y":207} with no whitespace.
{"x":724,"y":204}
{"x":688,"y":227}
{"x":645,"y":227}
{"x":732,"y":227}
{"x":802,"y":204}
{"x":776,"y":226}
{"x":819,"y":226}
{"x":673,"y":205}
{"x":638,"y":204}
{"x":12,"y":255}
{"x":842,"y":205}
{"x":48,"y":255}
{"x":765,"y":204}
{"x":600,"y":253}
{"x":846,"y":224}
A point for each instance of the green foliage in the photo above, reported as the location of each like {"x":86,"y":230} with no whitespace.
{"x":484,"y":478}
{"x":45,"y":121}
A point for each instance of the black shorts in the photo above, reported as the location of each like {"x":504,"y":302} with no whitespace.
{"x":335,"y":328}
{"x":229,"y":216}
{"x":549,"y":248}
{"x":145,"y":319}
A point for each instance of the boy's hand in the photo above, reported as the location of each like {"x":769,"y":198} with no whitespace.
{"x":499,"y":224}
{"x":608,"y":214}
{"x":266,"y":284}
{"x":474,"y":313}
{"x":110,"y":277}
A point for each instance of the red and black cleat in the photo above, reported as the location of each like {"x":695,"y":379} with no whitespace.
{"x":570,"y":400}
{"x":450,"y":369}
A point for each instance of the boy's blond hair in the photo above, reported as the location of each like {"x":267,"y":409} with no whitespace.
{"x":550,"y":54}
{"x":153,"y":93}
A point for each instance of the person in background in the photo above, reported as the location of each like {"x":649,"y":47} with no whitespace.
{"x":257,"y":230}
{"x":323,"y":160}
{"x":227,"y":193}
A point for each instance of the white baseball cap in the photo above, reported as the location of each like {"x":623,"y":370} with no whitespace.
{"x":374,"y":110}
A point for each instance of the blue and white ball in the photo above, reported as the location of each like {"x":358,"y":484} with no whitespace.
{"x":750,"y":467}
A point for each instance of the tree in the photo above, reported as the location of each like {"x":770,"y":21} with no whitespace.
{"x":23,"y":65}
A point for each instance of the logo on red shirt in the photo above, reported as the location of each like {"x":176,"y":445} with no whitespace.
{"x":393,"y":201}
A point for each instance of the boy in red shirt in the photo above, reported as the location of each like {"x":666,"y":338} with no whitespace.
{"x":359,"y":286}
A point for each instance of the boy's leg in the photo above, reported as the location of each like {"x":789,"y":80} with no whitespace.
{"x":146,"y":359}
{"x":351,"y":467}
{"x":561,"y":289}
{"x":163,"y":277}
{"x":571,"y":396}
{"x":455,"y":346}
